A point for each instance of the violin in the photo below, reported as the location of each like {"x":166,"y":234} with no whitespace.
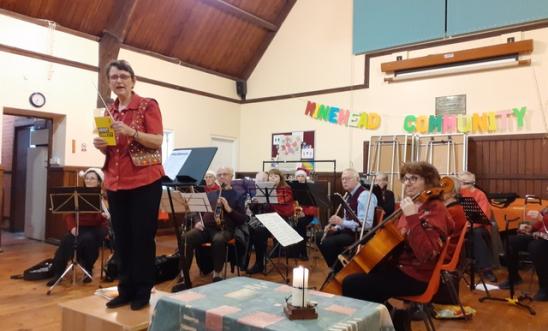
{"x":379,"y":242}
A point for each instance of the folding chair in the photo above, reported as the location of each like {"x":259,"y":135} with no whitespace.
{"x":431,"y":290}
{"x":453,"y":266}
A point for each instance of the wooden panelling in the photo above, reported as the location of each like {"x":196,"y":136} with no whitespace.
{"x":510,"y":163}
{"x":224,"y":36}
{"x":59,"y":176}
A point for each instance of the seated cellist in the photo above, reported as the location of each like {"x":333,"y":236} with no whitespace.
{"x":425,"y":227}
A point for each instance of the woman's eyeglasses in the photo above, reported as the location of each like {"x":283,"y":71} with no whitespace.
{"x":121,"y":76}
{"x":411,"y":179}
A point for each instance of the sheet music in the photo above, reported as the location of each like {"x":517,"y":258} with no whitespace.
{"x":175,"y":162}
{"x":197,"y":202}
{"x":279,"y":228}
{"x":265,"y":187}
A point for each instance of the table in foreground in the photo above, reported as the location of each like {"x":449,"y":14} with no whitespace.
{"x":243,"y":303}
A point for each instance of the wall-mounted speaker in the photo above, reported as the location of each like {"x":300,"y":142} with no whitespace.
{"x":241,"y":88}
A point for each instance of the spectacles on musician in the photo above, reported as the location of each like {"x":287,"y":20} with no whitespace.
{"x":121,"y":76}
{"x":411,"y":179}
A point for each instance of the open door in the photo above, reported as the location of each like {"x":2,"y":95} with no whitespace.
{"x":35,"y":200}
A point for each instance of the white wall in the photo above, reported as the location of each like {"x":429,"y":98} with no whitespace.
{"x":71,"y":92}
{"x":312,"y":51}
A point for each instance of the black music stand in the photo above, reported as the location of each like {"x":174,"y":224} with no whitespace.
{"x":474,"y":215}
{"x":265,"y":194}
{"x":185,"y":167}
{"x":512,"y":299}
{"x":74,"y":200}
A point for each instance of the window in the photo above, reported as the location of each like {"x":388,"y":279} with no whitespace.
{"x":167,"y":144}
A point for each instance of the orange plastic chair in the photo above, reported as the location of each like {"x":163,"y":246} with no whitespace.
{"x":379,"y":215}
{"x":231,"y":242}
{"x":431,"y":290}
{"x":453,"y":266}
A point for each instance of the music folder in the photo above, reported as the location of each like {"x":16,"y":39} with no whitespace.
{"x":187,"y":166}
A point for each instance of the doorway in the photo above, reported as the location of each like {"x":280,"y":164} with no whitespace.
{"x":26,"y":149}
{"x":226,"y":153}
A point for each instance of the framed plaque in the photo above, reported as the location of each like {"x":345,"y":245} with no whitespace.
{"x":451,"y":105}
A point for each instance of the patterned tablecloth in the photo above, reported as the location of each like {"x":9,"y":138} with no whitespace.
{"x":250,"y":304}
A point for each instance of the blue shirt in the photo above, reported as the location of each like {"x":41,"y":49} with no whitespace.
{"x":362,"y":206}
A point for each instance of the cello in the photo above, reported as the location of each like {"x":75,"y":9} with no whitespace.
{"x":378,"y":243}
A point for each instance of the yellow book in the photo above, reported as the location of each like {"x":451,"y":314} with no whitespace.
{"x":105,"y":130}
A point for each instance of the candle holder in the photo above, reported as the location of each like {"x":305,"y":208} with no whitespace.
{"x":307,"y":312}
{"x":300,"y":308}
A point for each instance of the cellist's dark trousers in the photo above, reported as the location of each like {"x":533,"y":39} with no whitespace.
{"x":383,"y":282}
{"x":333,"y":245}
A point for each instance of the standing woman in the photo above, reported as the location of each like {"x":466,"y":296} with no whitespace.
{"x":133,"y":173}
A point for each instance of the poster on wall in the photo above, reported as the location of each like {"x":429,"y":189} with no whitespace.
{"x":293,"y":146}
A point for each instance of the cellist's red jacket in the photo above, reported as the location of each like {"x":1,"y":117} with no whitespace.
{"x":426,"y":233}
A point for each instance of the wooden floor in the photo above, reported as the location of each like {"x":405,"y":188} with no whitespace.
{"x":24,"y":305}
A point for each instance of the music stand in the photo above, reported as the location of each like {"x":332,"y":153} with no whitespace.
{"x":306,"y":194}
{"x":283,"y":233}
{"x":512,"y":299}
{"x":185,"y":167}
{"x":474,"y":215}
{"x":74,"y":200}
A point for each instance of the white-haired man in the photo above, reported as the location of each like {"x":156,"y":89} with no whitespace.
{"x":232,"y":204}
{"x":341,"y":231}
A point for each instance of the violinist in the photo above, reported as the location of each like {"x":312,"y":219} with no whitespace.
{"x":531,"y":238}
{"x":230,"y":212}
{"x":341,"y":232}
{"x":483,"y":251}
{"x":284,"y":207}
{"x":425,"y":227}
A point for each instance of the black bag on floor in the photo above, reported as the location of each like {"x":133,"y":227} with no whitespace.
{"x":167,"y":267}
{"x":443,"y":296}
{"x":111,"y":268}
{"x":40,"y":271}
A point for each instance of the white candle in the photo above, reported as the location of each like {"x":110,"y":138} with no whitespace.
{"x":300,"y":281}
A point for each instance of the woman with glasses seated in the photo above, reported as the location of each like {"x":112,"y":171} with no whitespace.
{"x":284,"y":207}
{"x":425,"y":228}
{"x":91,"y":232}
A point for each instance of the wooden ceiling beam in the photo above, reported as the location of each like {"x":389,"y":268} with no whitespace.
{"x":111,"y":41}
{"x":242,"y":14}
{"x":262,"y":48}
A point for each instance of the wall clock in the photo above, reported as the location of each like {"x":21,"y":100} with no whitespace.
{"x":37,"y":99}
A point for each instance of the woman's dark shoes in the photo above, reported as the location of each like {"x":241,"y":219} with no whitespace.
{"x":180,"y":287}
{"x":119,"y":301}
{"x":217,"y":279}
{"x":542,"y":295}
{"x":138,"y":304}
{"x":255,"y":269}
